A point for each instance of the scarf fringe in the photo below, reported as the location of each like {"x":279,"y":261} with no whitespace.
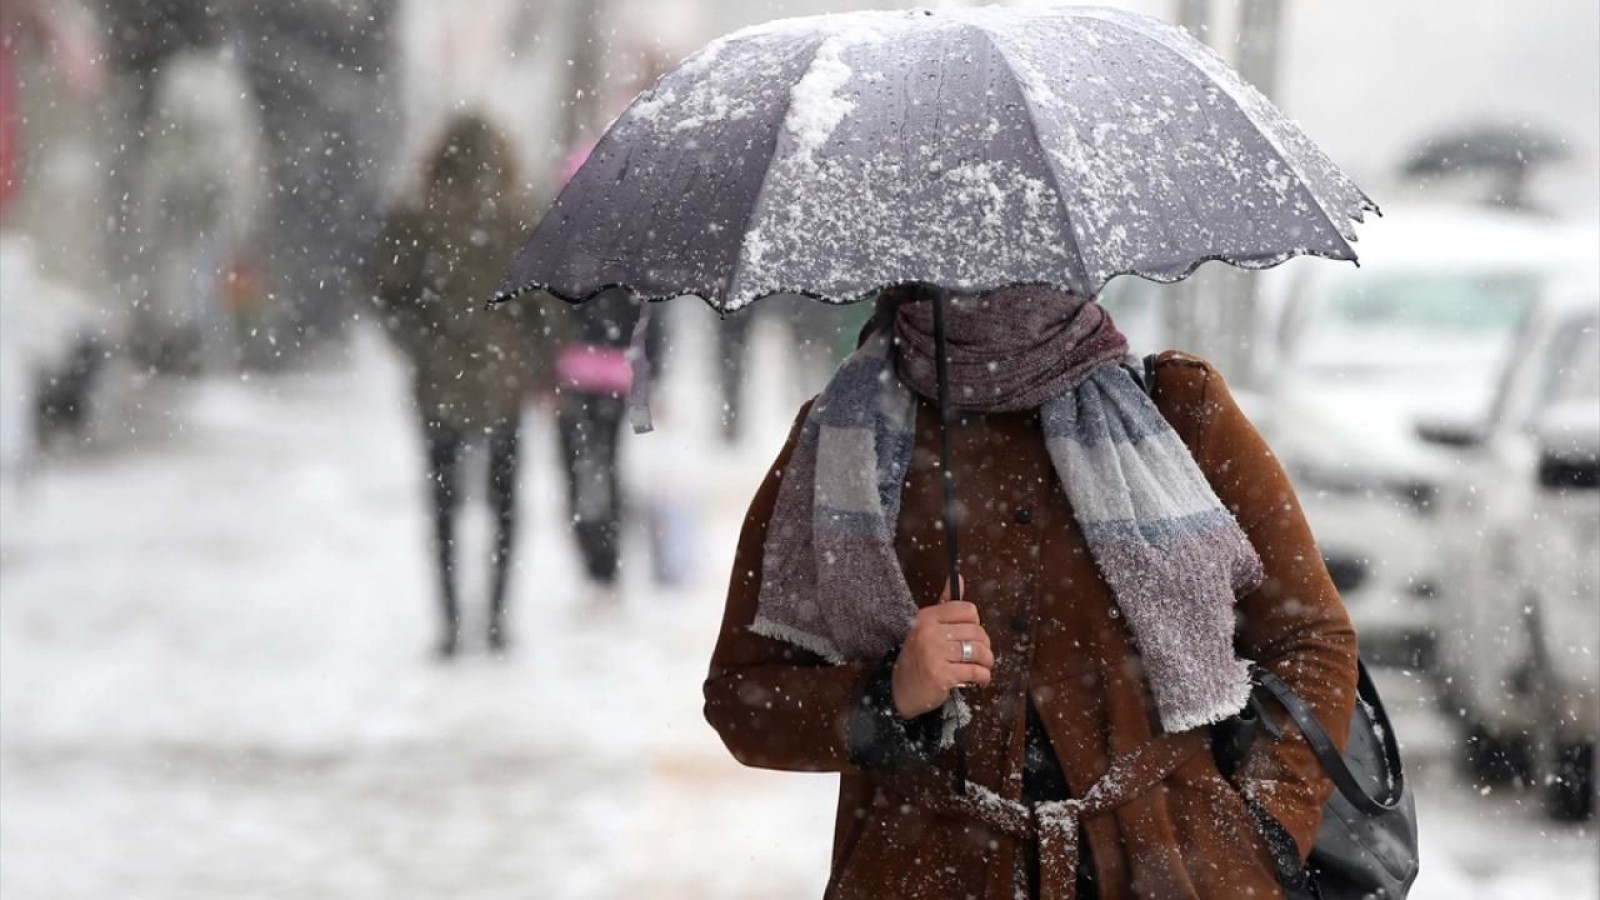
{"x":805,"y":640}
{"x":955,"y":714}
{"x":1177,"y":721}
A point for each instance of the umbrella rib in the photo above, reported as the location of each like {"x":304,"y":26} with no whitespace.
{"x":737,"y":268}
{"x":1082,"y":273}
{"x":1166,"y":226}
{"x":1259,"y":129}
{"x":1188,"y":201}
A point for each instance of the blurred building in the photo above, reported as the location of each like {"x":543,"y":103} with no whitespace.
{"x":313,"y":120}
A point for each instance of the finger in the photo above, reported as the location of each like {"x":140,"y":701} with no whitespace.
{"x":944,"y":596}
{"x":981,"y":654}
{"x":956,"y":612}
{"x":959,"y":674}
{"x":965,"y":631}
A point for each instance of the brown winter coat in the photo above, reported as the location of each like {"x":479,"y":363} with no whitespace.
{"x":1059,"y":644}
{"x":437,"y":261}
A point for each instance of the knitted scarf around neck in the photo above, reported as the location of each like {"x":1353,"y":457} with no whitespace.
{"x":1169,"y":550}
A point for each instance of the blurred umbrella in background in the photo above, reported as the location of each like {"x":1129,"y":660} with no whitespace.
{"x":1509,"y":154}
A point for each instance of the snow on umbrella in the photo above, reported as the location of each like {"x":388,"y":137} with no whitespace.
{"x":971,"y":149}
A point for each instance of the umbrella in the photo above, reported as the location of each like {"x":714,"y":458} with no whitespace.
{"x":969,"y":149}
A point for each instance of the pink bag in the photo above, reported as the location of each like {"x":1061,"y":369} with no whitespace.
{"x":591,"y":369}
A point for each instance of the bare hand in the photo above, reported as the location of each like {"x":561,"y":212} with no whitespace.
{"x":930,"y":665}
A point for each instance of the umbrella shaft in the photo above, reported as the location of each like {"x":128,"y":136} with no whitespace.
{"x":947,"y":470}
{"x":946,"y":464}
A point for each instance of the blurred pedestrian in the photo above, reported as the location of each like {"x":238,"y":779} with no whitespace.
{"x":199,"y":192}
{"x":318,"y":77}
{"x":595,"y":374}
{"x":438,"y":258}
{"x":321,"y":73}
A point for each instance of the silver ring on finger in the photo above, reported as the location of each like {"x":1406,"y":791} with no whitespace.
{"x":966,"y":651}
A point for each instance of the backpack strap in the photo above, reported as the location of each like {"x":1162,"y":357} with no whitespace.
{"x":1144,"y":374}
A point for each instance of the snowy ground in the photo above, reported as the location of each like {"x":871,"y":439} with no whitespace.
{"x":215,"y":685}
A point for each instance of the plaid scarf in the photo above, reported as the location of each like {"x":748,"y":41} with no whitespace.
{"x":1169,"y":550}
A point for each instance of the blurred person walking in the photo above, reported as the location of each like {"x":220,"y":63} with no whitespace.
{"x":317,"y":75}
{"x":438,"y":256}
{"x":595,"y":375}
{"x":199,"y":193}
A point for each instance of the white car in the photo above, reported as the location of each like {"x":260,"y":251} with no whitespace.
{"x":1517,"y":652}
{"x":1386,"y":375}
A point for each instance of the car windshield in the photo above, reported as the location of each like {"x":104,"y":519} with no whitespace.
{"x":1423,"y":333}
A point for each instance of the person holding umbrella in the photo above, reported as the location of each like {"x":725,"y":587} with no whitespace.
{"x":1025,"y":711}
{"x":1087,"y":637}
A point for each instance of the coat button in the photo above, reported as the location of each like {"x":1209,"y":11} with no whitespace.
{"x":1024,"y":516}
{"x":1019,"y":622}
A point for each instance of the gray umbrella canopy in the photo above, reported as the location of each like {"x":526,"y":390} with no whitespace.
{"x":968,"y":148}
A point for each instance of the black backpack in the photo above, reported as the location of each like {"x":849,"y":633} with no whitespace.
{"x":1366,"y":848}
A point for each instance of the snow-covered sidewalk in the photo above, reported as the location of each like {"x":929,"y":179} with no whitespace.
{"x":215,"y":681}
